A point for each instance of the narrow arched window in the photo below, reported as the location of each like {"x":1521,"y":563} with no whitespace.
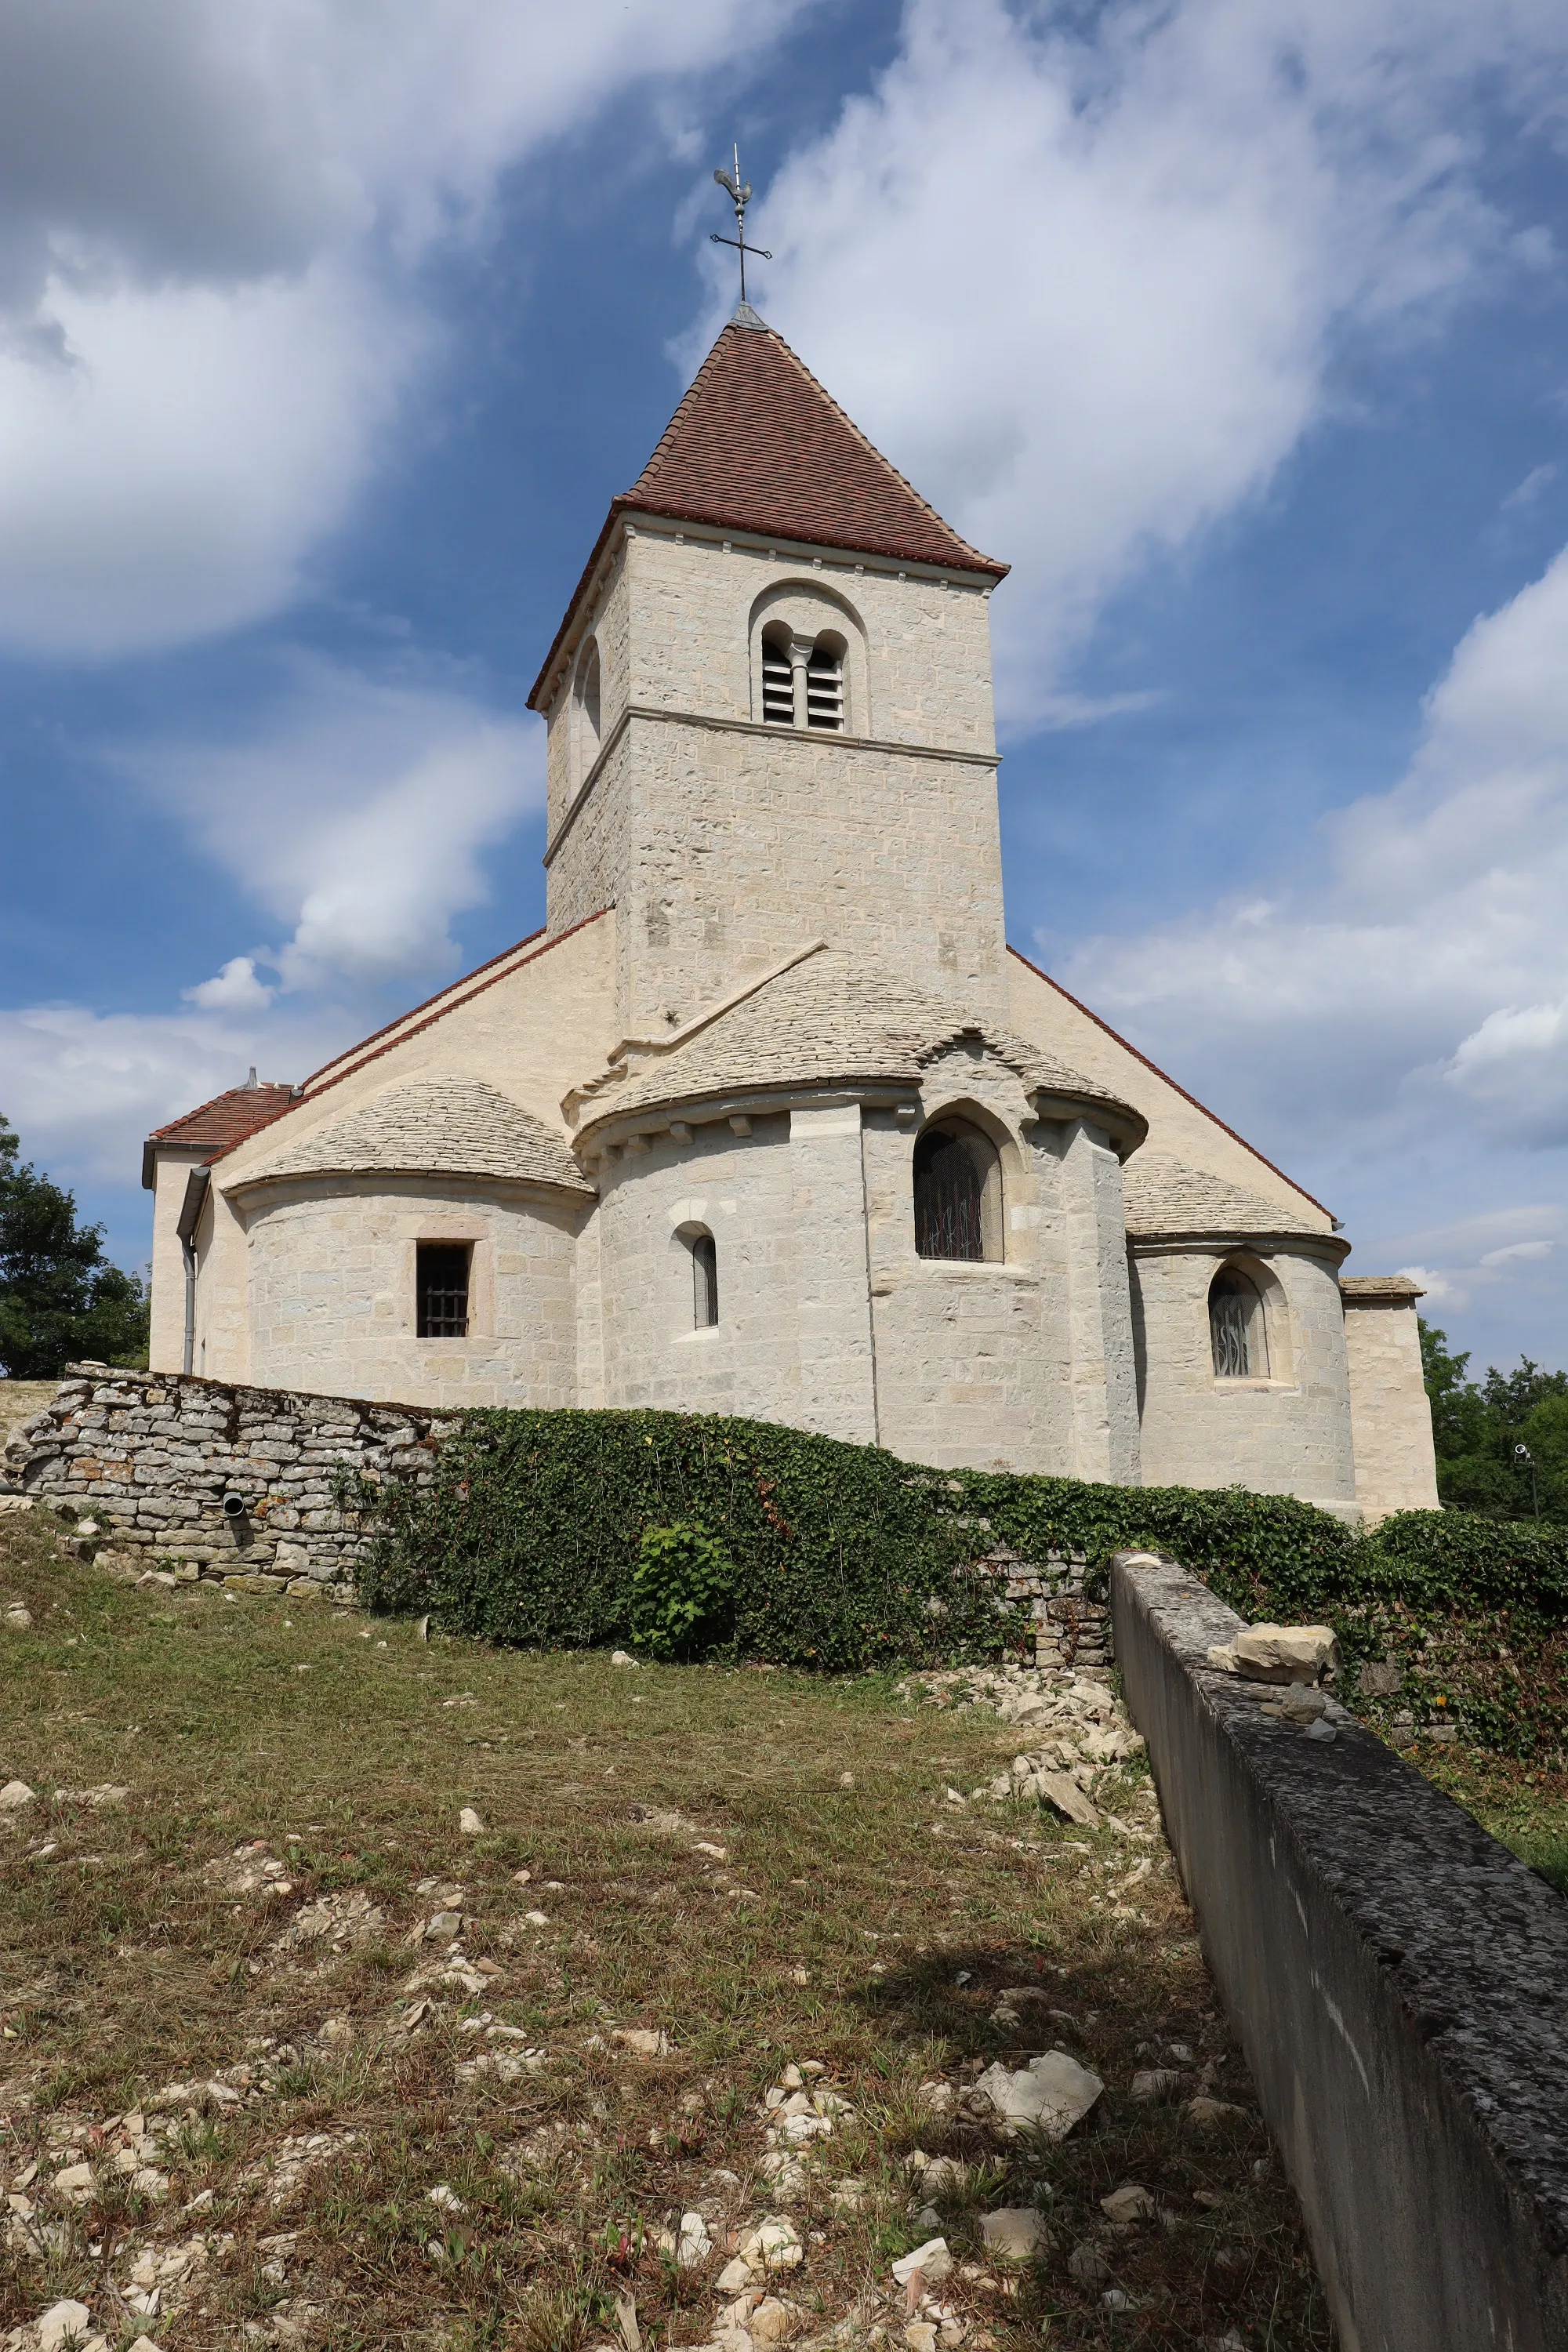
{"x":588,"y":705}
{"x":1238,"y":1331}
{"x":778,"y":678}
{"x":704,"y":1281}
{"x":958,"y":1192}
{"x":825,"y":686}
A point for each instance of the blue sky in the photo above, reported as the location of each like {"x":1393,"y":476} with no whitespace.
{"x":1240,"y":328}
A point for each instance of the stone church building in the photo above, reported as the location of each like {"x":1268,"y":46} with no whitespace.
{"x":769,"y":1119}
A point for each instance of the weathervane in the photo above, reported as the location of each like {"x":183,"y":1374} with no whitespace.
{"x":740,"y":194}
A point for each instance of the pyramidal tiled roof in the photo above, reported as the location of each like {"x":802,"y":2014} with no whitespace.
{"x":758,"y":445}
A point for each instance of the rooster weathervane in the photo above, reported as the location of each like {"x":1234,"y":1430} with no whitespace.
{"x":740,"y":194}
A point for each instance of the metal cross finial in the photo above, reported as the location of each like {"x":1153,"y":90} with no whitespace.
{"x":740,"y":194}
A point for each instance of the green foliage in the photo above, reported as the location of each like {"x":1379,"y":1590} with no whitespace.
{"x":1476,"y":1426}
{"x":688,"y":1532}
{"x":533,"y":1528}
{"x":60,"y":1299}
{"x":682,"y":1590}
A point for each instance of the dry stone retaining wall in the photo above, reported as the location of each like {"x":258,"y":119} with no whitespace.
{"x":148,"y":1457}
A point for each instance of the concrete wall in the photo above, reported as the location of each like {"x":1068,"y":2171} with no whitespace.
{"x":149,"y":1459}
{"x":1391,"y":1416}
{"x":1398,"y":1982}
{"x":331,"y":1295}
{"x":1287,"y":1434}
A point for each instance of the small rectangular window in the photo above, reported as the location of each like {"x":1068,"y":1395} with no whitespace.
{"x":441,"y":1282}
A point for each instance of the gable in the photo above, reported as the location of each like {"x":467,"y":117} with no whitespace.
{"x":526,"y":1028}
{"x":1180,"y":1129}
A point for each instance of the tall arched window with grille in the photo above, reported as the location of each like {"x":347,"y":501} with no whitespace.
{"x":958,"y":1192}
{"x":1239,"y":1332}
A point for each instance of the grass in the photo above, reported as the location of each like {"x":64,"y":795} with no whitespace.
{"x":857,"y":1919}
{"x":1523,"y":1806}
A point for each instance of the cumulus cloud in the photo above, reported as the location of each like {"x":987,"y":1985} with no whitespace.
{"x":234,"y":989}
{"x":83,"y":1089}
{"x":355,"y":812}
{"x":214,"y":223}
{"x":1087,"y":275}
{"x":1422,"y":985}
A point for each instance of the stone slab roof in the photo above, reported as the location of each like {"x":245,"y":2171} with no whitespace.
{"x":1379,"y":1285}
{"x":437,"y":1127}
{"x":831,"y":1020}
{"x":1165,"y":1196}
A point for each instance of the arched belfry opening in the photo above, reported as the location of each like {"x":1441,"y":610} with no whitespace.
{"x":958,"y":1192}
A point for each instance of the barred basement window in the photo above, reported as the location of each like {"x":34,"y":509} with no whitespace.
{"x":778,"y":679}
{"x":704,"y":1282}
{"x":825,"y":687}
{"x":1236,"y":1329}
{"x":958,"y":1192}
{"x":441,"y":1286}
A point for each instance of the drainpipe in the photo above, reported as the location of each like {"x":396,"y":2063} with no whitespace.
{"x":191,"y":1208}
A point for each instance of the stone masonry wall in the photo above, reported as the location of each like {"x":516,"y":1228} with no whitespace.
{"x":145,"y":1460}
{"x":148,"y":1457}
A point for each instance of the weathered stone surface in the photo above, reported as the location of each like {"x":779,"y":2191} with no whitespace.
{"x":181,"y":1443}
{"x":1276,"y":1654}
{"x":1399,"y":1982}
{"x":1015,"y":2233}
{"x":1050,"y":2094}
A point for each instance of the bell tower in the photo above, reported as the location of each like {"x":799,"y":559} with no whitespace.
{"x":770,"y":707}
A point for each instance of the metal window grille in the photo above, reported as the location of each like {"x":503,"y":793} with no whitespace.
{"x":1233,"y":1303}
{"x":704,"y":1282}
{"x":778,"y":683}
{"x":441,"y":1282}
{"x":824,"y":690}
{"x":949,"y":1193}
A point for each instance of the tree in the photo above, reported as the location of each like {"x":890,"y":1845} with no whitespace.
{"x":60,"y":1299}
{"x":1477,"y":1426}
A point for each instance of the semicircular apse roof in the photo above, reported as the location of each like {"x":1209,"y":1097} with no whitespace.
{"x":431,"y":1127}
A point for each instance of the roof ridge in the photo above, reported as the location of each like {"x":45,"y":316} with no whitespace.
{"x":375,"y":1054}
{"x":1175,"y":1086}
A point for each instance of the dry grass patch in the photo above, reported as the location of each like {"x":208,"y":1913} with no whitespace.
{"x":298,"y":2063}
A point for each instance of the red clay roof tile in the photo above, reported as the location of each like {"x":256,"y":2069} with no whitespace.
{"x":227,"y":1120}
{"x":758,"y":445}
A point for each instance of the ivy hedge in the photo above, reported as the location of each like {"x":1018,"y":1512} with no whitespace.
{"x":532,"y":1531}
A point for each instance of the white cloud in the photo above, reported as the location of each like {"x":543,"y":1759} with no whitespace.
{"x":82,"y":1088}
{"x":212,"y":224}
{"x":234,"y":989}
{"x":356,"y":813}
{"x":1087,"y":277}
{"x":1420,"y":989}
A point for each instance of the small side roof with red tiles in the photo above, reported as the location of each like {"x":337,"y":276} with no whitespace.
{"x":758,"y":445}
{"x":217,"y":1126}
